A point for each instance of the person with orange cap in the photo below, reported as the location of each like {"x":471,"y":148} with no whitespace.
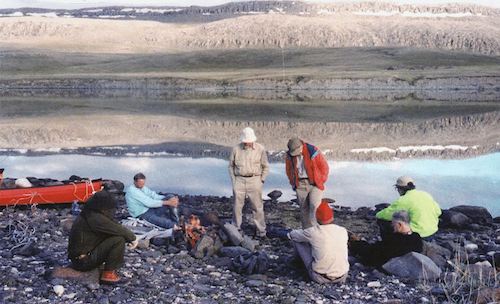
{"x":323,"y":248}
{"x":248,"y":169}
{"x":307,"y":171}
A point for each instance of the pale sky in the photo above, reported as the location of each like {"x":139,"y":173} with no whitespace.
{"x":70,"y":4}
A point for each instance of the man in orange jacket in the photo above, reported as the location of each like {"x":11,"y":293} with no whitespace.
{"x":307,"y":171}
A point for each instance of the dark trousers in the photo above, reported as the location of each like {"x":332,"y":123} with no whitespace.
{"x":368,"y":254}
{"x":164,"y":216}
{"x":385,"y":228}
{"x":110,"y":252}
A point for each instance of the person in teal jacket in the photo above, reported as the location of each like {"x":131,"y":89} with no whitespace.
{"x":150,"y":206}
{"x":423,"y":210}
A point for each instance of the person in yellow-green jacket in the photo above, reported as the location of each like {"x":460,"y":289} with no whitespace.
{"x":423,"y":210}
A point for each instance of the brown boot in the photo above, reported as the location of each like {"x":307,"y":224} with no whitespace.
{"x":109,"y":277}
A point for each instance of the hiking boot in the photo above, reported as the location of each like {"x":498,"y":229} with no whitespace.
{"x":110,"y":277}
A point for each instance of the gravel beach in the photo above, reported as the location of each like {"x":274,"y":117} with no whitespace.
{"x":165,"y":273}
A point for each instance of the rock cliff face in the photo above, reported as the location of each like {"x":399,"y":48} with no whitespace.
{"x":482,"y":88}
{"x":229,"y":10}
{"x":260,"y":25}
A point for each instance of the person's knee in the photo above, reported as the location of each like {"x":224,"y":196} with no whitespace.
{"x":117,"y":241}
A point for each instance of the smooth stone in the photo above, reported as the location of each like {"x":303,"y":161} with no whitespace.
{"x":173,"y":250}
{"x":471,"y":247}
{"x":414,"y":266}
{"x":202,"y":288}
{"x":379,"y":275}
{"x":143,"y":244}
{"x":157,"y":241}
{"x":254,"y":283}
{"x":58,"y":290}
{"x":92,"y":286}
{"x":374,"y":284}
{"x":152,"y":254}
{"x":438,"y":291}
{"x":260,"y":277}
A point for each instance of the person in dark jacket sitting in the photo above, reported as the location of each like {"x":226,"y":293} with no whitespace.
{"x":400,"y":242}
{"x":96,"y":238}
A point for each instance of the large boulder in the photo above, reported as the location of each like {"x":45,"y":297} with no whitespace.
{"x":454,"y":219}
{"x":478,"y":215}
{"x":436,"y":253}
{"x":274,"y":195}
{"x":413,"y":266}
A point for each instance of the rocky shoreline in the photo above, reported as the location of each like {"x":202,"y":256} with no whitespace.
{"x":465,"y":248}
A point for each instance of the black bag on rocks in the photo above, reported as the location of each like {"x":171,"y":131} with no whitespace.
{"x":251,"y":263}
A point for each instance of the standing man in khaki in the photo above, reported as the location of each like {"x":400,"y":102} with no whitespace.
{"x":248,"y":168}
{"x":307,"y":171}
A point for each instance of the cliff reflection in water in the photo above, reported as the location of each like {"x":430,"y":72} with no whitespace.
{"x":474,"y":181}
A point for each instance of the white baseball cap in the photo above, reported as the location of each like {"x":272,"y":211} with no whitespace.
{"x":403,"y":181}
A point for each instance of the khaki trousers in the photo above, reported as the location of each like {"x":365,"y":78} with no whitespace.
{"x":309,"y":198}
{"x":250,"y":187}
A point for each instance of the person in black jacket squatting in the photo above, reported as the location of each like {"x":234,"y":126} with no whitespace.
{"x":402,"y":241}
{"x":96,"y":238}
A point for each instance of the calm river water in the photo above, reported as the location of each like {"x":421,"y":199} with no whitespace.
{"x":474,"y":181}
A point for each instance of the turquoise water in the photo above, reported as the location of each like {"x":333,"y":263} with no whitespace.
{"x":474,"y":181}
